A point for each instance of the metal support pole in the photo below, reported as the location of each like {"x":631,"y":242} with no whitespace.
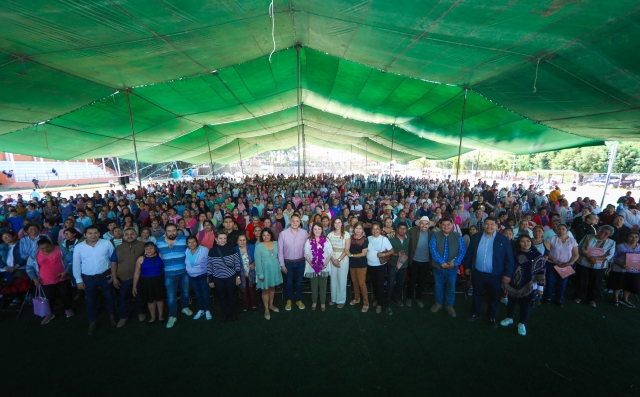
{"x":393,"y":130}
{"x":298,"y":113}
{"x":513,"y":168}
{"x":366,"y":157}
{"x":133,"y":137}
{"x":464,"y":108}
{"x":240,"y":155}
{"x":118,"y":164}
{"x":209,"y":147}
{"x":613,"y":153}
{"x":304,"y":144}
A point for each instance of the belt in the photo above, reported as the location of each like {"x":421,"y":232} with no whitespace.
{"x":293,"y":260}
{"x":106,"y":273}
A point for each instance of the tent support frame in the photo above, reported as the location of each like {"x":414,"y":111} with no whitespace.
{"x":464,"y":109}
{"x":209,"y":147}
{"x":133,"y":137}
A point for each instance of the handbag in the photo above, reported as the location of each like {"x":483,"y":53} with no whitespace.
{"x":41,"y":305}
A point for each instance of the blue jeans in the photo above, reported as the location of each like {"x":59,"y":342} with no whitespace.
{"x":201,"y":288}
{"x":445,"y":285}
{"x":555,"y":285}
{"x":295,"y":270}
{"x":126,"y":288}
{"x":91,"y":292}
{"x":395,"y":288}
{"x":171,"y":283}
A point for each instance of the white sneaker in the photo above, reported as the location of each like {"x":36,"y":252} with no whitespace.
{"x":207,"y":315}
{"x":506,"y":322}
{"x":522,"y":330}
{"x":199,"y":314}
{"x":171,"y":321}
{"x":187,"y":311}
{"x":504,"y":300}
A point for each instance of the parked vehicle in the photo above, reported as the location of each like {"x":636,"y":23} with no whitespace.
{"x":602,"y":180}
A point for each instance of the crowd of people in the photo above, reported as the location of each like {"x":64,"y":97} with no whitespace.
{"x":167,"y":244}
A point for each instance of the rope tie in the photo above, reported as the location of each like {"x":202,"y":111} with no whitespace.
{"x":536,"y":79}
{"x":273,"y":29}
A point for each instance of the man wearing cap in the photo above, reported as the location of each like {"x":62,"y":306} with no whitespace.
{"x":388,"y":213}
{"x":418,"y":260}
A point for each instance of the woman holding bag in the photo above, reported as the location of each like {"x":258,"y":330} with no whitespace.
{"x":50,"y":272}
{"x":317,"y":253}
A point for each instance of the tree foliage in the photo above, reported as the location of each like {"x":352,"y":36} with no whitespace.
{"x":587,"y":159}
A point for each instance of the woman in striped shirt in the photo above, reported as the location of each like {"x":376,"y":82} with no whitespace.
{"x":223,"y":270}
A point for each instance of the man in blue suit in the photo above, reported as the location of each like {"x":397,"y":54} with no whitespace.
{"x":489,"y":261}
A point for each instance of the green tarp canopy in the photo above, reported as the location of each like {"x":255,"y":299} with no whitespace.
{"x":382,"y":79}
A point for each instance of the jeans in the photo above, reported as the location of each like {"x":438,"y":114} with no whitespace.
{"x":525,"y":306}
{"x":126,"y":288}
{"x":295,"y":270}
{"x":171,"y":284}
{"x":555,"y":285}
{"x":492,"y":283}
{"x":445,"y":285}
{"x":91,"y":293}
{"x":397,"y":277}
{"x":201,"y":288}
{"x":417,"y":279}
{"x":377,"y":283}
{"x":226,"y":289}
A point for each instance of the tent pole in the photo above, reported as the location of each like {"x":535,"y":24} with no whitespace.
{"x":366,"y":157}
{"x":118,"y":164}
{"x":299,"y":103}
{"x":613,"y":153}
{"x":133,"y":137}
{"x":464,"y":108}
{"x":209,"y":147}
{"x":393,"y":130}
{"x":240,"y":155}
{"x":304,"y":144}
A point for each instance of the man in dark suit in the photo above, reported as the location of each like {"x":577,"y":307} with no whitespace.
{"x":489,"y":261}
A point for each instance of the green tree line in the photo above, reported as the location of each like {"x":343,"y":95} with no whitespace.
{"x":587,"y":159}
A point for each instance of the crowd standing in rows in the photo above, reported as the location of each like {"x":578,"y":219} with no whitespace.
{"x":159,"y":245}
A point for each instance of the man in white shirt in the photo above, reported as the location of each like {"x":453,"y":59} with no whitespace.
{"x":92,"y":269}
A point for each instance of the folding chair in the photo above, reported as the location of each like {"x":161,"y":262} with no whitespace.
{"x":5,"y":302}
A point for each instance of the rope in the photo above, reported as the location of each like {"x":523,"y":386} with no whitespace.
{"x":273,"y":29}
{"x":536,"y":79}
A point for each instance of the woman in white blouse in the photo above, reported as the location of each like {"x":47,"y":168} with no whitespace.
{"x":378,"y":254}
{"x":340,"y":241}
{"x":317,"y":253}
{"x":563,"y":252}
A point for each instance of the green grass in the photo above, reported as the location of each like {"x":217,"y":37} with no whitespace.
{"x":337,"y":352}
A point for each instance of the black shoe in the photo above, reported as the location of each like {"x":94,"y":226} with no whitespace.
{"x":235,"y":319}
{"x":223,"y":320}
{"x":493,"y":323}
{"x":473,"y":318}
{"x":559,"y":304}
{"x":546,"y":301}
{"x":627,"y":304}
